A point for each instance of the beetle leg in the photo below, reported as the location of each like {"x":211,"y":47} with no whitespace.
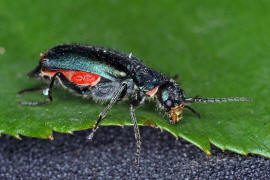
{"x":136,"y":133}
{"x":45,"y":91}
{"x":140,"y":97}
{"x":22,"y":92}
{"x":118,"y":94}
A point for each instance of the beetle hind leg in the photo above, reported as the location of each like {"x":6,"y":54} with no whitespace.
{"x":22,"y":92}
{"x":46,"y":91}
{"x":117,"y":96}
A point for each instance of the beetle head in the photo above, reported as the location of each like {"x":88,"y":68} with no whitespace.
{"x":38,"y":71}
{"x":171,"y":98}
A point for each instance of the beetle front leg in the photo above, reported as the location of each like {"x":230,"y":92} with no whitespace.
{"x":138,"y":101}
{"x":136,"y":133}
{"x":118,"y":95}
{"x":46,"y":91}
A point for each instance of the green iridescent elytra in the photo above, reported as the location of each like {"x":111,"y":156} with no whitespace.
{"x":73,"y":62}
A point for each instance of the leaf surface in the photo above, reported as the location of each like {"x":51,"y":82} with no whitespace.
{"x":218,"y":49}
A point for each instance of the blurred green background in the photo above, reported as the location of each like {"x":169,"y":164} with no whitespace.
{"x":219,"y":49}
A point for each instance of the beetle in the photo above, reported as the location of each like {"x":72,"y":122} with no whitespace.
{"x":110,"y":76}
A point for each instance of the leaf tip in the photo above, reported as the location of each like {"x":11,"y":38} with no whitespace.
{"x":70,"y":132}
{"x":208,"y":152}
{"x":18,"y":137}
{"x":50,"y":137}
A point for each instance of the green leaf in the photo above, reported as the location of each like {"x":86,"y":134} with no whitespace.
{"x":218,"y":49}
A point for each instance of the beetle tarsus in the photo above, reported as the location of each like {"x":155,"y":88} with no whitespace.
{"x":22,"y":92}
{"x":91,"y":135}
{"x":26,"y":103}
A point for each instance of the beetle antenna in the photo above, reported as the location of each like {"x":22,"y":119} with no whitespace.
{"x":214,"y":100}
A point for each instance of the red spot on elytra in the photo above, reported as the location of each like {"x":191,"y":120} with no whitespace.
{"x":85,"y":78}
{"x":77,"y":77}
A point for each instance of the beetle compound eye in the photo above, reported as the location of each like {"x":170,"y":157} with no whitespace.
{"x":169,"y":103}
{"x":165,"y":95}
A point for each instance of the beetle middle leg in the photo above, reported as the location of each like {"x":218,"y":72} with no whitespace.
{"x":118,"y":95}
{"x":45,"y":91}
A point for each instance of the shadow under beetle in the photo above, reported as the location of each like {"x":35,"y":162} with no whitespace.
{"x":108,"y":75}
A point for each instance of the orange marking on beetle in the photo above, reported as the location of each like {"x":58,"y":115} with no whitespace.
{"x":77,"y":77}
{"x":152,"y":92}
{"x":176,"y":113}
